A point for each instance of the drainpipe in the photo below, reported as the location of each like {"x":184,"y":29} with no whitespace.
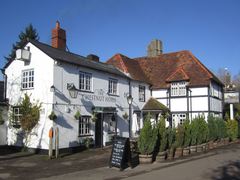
{"x":130,"y":110}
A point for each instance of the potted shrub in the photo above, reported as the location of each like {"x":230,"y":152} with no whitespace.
{"x":202,"y":133}
{"x":162,"y":135}
{"x":77,"y":115}
{"x":179,"y":141}
{"x":146,"y":141}
{"x":232,"y":129}
{"x":212,"y":131}
{"x":193,"y":132}
{"x":125,"y":116}
{"x":52,"y":116}
{"x":94,"y":117}
{"x":187,"y":137}
{"x":88,"y":142}
{"x":171,"y":135}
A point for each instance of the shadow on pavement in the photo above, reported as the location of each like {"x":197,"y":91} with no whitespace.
{"x":227,"y":172}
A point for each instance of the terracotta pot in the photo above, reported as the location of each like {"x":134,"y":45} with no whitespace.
{"x":170,"y":154}
{"x":215,"y":144}
{"x":210,"y":145}
{"x":199,"y":148}
{"x":193,"y":149}
{"x":145,"y":159}
{"x":226,"y":141}
{"x":178,"y":152}
{"x":186,"y":151}
{"x":161,"y":156}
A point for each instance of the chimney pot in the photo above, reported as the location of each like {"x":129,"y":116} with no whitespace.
{"x":154,"y":48}
{"x":93,"y":57}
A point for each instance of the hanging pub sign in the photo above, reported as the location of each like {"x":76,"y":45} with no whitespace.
{"x":121,"y":154}
{"x":231,"y":97}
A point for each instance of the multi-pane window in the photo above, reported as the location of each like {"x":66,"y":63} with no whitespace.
{"x":112,"y":86}
{"x":84,"y":125}
{"x":178,"y":89}
{"x":28,"y":79}
{"x":16,"y":117}
{"x":85,"y":81}
{"x":178,"y":119}
{"x":141,"y":93}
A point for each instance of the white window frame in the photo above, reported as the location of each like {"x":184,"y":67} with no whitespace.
{"x":113,"y":86}
{"x":178,"y":88}
{"x":178,"y":118}
{"x":84,"y":125}
{"x":85,"y":81}
{"x":142,"y":93}
{"x":16,"y":116}
{"x":27,"y":79}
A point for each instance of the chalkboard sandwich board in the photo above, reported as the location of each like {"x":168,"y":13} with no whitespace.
{"x":121,"y":154}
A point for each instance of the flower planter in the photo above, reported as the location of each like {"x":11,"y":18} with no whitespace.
{"x":186,"y":151}
{"x":215,"y":144}
{"x":145,"y":159}
{"x":204,"y":147}
{"x":210,"y":145}
{"x":161,"y":156}
{"x":226,"y":141}
{"x":193,"y":149}
{"x":178,"y":152}
{"x":170,"y":154}
{"x":199,"y":148}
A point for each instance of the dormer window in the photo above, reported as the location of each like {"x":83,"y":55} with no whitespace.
{"x":178,"y":88}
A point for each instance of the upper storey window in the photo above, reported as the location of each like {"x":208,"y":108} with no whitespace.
{"x":28,"y":79}
{"x":85,"y":81}
{"x":178,"y":89}
{"x":112,"y":86}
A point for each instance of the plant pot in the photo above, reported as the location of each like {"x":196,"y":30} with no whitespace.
{"x":210,"y":145}
{"x":186,"y":151}
{"x":215,"y":144}
{"x":204,"y":147}
{"x":193,"y":149}
{"x":145,"y":159}
{"x":199,"y":148}
{"x":178,"y":152}
{"x":170,"y":154}
{"x":161,"y":156}
{"x":226,"y":141}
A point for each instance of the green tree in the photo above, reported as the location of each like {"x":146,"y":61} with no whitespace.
{"x":30,"y":114}
{"x":29,"y":33}
{"x":162,"y":132}
{"x":148,"y":137}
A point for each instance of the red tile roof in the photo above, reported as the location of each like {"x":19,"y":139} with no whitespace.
{"x":160,"y":70}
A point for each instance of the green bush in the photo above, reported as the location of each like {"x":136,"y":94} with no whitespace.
{"x":187,"y":133}
{"x":202,"y":130}
{"x":147,"y":138}
{"x":193,"y":132}
{"x":162,"y":132}
{"x":232,"y":129}
{"x":212,"y":127}
{"x":179,"y":136}
{"x":221,"y":128}
{"x":171,"y":137}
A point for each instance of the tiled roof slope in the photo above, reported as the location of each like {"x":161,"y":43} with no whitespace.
{"x":129,"y":66}
{"x":68,"y":57}
{"x":182,"y":65}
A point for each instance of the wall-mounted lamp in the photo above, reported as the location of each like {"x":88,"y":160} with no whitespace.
{"x":73,"y":91}
{"x":52,"y":88}
{"x":129,"y":99}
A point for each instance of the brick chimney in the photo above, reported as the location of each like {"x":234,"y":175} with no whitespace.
{"x":59,"y":37}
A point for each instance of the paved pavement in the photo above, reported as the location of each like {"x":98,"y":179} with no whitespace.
{"x":219,"y":164}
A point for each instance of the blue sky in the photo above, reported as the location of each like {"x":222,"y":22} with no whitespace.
{"x":210,"y":29}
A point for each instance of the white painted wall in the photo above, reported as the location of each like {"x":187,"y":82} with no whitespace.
{"x":43,"y":79}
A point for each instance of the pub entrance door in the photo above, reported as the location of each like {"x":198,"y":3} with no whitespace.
{"x":99,"y":130}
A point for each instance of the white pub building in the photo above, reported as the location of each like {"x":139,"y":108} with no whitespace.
{"x":111,"y":97}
